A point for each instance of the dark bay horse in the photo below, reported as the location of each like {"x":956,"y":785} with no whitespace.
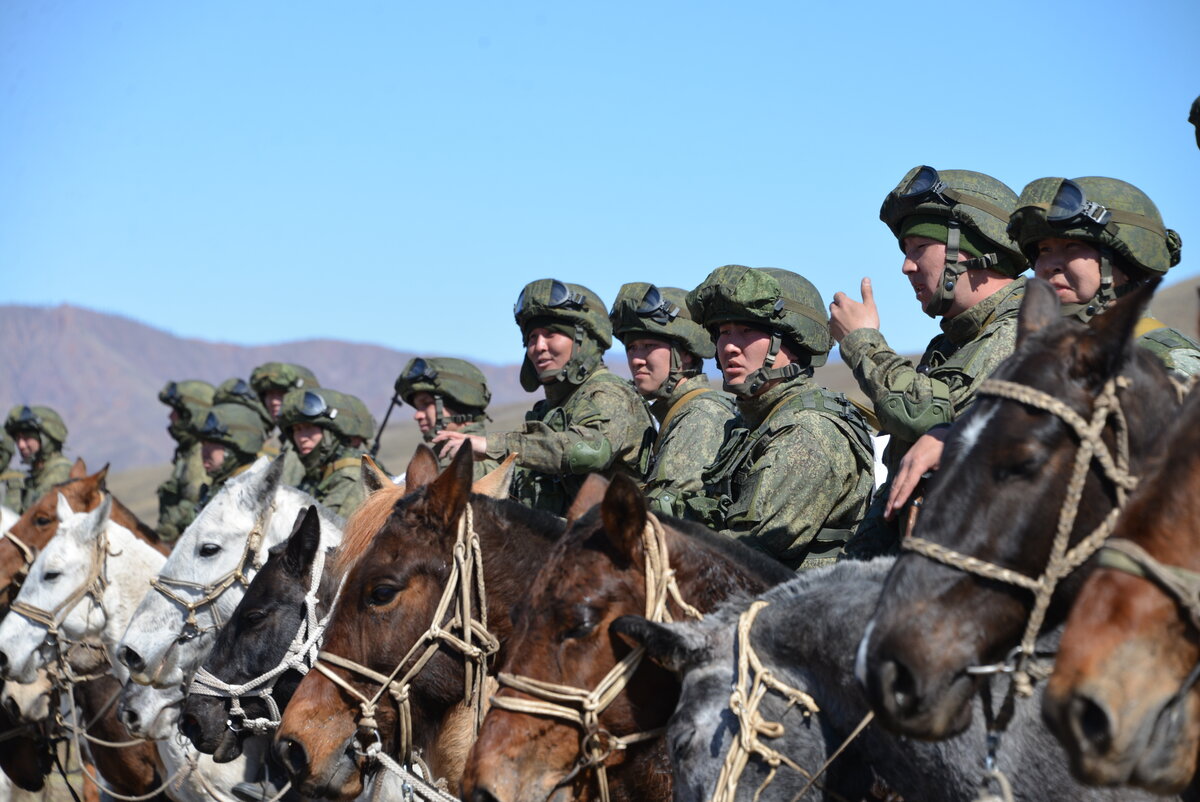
{"x":805,"y":633}
{"x":999,"y":500}
{"x":395,"y":578}
{"x":1123,"y":697}
{"x":595,"y":574}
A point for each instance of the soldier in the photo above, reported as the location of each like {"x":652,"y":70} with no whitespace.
{"x":271,"y":381}
{"x":590,"y":421}
{"x":1094,"y":239}
{"x":794,"y":475}
{"x":666,"y":350}
{"x":231,"y":438}
{"x":39,"y":434}
{"x":321,"y":424}
{"x":11,"y":479}
{"x":448,"y":395}
{"x":951,"y":228}
{"x":189,"y":401}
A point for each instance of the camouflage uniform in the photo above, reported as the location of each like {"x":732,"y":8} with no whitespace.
{"x":177,"y":496}
{"x":794,"y":475}
{"x":11,"y":480}
{"x":49,"y":467}
{"x":910,"y":401}
{"x":1126,"y":227}
{"x":332,"y":469}
{"x":241,"y":430}
{"x":462,"y":385}
{"x":691,"y":415}
{"x":590,"y":421}
{"x":283,"y":376}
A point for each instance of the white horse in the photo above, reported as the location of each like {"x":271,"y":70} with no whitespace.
{"x":7,"y":518}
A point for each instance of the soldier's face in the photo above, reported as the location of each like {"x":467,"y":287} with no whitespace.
{"x":548,"y":350}
{"x":212,"y":455}
{"x":742,"y":349}
{"x":273,"y":401}
{"x":924,"y":259}
{"x":426,"y":411}
{"x":28,"y":444}
{"x":306,"y":436}
{"x":1073,"y":269}
{"x":649,"y":363}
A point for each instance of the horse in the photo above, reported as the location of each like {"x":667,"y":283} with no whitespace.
{"x":1032,"y":478}
{"x":1122,"y":697}
{"x":439,"y":539}
{"x":789,"y":657}
{"x":562,"y":720}
{"x":67,"y":617}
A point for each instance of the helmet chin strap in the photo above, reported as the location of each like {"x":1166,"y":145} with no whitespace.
{"x":756,"y":380}
{"x":676,"y":374}
{"x":1103,"y":297}
{"x":953,"y":269}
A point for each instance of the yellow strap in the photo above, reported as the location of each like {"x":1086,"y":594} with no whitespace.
{"x":1147,"y":325}
{"x":4,"y":477}
{"x":345,"y":462}
{"x":675,"y":409}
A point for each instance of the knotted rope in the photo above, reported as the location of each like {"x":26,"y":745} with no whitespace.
{"x":584,"y":707}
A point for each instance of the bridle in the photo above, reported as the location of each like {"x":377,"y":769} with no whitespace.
{"x":584,"y":707}
{"x":28,"y":555}
{"x":459,"y":622}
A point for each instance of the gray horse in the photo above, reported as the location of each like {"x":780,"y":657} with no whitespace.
{"x":807,"y":636}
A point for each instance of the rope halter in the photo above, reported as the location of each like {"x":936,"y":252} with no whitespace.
{"x":28,"y":555}
{"x":455,"y":624}
{"x":583,"y":707}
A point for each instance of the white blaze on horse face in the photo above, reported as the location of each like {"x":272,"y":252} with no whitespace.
{"x":972,"y":428}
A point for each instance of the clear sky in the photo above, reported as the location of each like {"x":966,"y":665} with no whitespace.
{"x":394,"y":172}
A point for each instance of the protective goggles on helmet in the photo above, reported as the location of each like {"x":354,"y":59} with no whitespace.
{"x":419,"y":369}
{"x":1066,"y":205}
{"x":925,"y":185}
{"x":1070,"y":204}
{"x":29,"y":419}
{"x":561,"y":297}
{"x":313,"y":406}
{"x":244,"y":390}
{"x":212,"y":427}
{"x":171,"y":394}
{"x":657,"y":308}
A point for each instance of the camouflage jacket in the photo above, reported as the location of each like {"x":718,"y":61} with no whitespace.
{"x":691,"y":429}
{"x":1179,"y":353}
{"x":177,"y":497}
{"x":11,"y":482}
{"x":293,"y":468}
{"x":44,"y":474}
{"x":599,"y":426}
{"x":482,"y":466}
{"x":794,"y":475}
{"x":909,"y":401}
{"x":336,"y":483}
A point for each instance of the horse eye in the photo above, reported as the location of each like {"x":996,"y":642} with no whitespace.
{"x":382,"y":594}
{"x":43,"y":520}
{"x":254,"y":616}
{"x":50,"y":576}
{"x":1020,"y":470}
{"x":584,"y":625}
{"x":209,"y":549}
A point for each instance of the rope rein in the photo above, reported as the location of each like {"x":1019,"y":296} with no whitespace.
{"x":584,"y":707}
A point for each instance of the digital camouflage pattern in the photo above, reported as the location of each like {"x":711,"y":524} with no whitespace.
{"x":190,"y":399}
{"x":794,"y":475}
{"x":599,"y":426}
{"x":910,"y":400}
{"x":335,"y":482}
{"x":579,"y":313}
{"x":48,"y":466}
{"x":47,"y":471}
{"x":241,"y":430}
{"x":454,"y":380}
{"x":331,"y":469}
{"x":483,"y":466}
{"x":692,"y":422}
{"x":282,"y":376}
{"x":11,"y":479}
{"x":180,"y":493}
{"x":239,"y":391}
{"x":1179,"y":353}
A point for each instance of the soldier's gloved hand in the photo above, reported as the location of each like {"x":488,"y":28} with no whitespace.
{"x":923,"y":457}
{"x":847,"y":314}
{"x":451,"y":442}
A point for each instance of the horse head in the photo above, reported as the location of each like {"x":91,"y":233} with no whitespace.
{"x":1056,"y":437}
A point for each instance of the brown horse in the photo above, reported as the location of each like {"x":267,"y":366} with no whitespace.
{"x":1123,"y":698}
{"x":595,"y":574}
{"x":999,"y":500}
{"x":394,"y":580}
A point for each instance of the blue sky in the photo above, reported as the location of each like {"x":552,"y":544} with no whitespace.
{"x":395,"y":172}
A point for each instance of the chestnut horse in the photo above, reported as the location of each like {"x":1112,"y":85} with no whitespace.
{"x":394,"y":580}
{"x":596,"y":573}
{"x":1123,"y":697}
{"x":997,"y":508}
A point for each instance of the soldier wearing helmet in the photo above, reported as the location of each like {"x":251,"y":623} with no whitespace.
{"x":666,"y":350}
{"x":231,"y":438}
{"x":448,"y":395}
{"x":39,"y":434}
{"x":189,"y":402}
{"x":590,"y":421}
{"x":324,"y":426}
{"x":951,"y":227}
{"x":271,"y":381}
{"x":794,"y":474}
{"x":1094,"y":239}
{"x":10,"y":480}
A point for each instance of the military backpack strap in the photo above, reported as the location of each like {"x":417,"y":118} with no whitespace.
{"x":674,"y":411}
{"x":845,"y":415}
{"x":344,"y":462}
{"x":1146,"y":325}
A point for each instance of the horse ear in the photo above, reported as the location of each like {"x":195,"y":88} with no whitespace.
{"x":104,"y":511}
{"x":1102,"y":353}
{"x":450,"y":492}
{"x":373,"y":477}
{"x":589,"y":495}
{"x":672,"y":646}
{"x":101,"y":477}
{"x":63,"y":508}
{"x":1039,"y":308}
{"x":303,"y":544}
{"x":78,"y":470}
{"x":498,"y":483}
{"x":624,"y":514}
{"x":422,"y":469}
{"x":271,"y":481}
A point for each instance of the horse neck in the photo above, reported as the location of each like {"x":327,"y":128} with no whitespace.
{"x":1147,"y":406}
{"x":130,"y":564}
{"x":708,"y":575}
{"x":288,"y":503}
{"x":125,"y":517}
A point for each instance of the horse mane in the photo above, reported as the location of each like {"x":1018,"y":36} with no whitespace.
{"x":752,"y":559}
{"x":362,"y":526}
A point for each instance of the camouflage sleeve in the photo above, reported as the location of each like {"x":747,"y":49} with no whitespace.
{"x":341,"y":492}
{"x":686,"y":450}
{"x":604,"y":425}
{"x":1179,"y":353}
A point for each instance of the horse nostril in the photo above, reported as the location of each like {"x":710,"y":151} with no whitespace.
{"x":132,"y":660}
{"x":1092,"y":722}
{"x":3,"y":662}
{"x":481,"y":794}
{"x":899,"y":688}
{"x":130,"y":717}
{"x":293,"y":757}
{"x":190,"y":726}
{"x":12,"y":709}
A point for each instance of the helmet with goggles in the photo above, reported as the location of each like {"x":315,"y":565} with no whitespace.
{"x":448,"y":380}
{"x":661,"y":313}
{"x":239,"y":391}
{"x":282,"y":376}
{"x":328,"y":409}
{"x":42,"y":421}
{"x":571,"y":309}
{"x":235,"y":426}
{"x":190,"y":399}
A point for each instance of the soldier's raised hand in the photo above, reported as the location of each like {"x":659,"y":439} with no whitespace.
{"x":847,"y":314}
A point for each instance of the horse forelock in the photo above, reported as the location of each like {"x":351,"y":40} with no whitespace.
{"x":362,"y":526}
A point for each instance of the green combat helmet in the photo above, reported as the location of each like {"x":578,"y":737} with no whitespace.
{"x":1116,"y":217}
{"x":446,"y":379}
{"x":644,"y":310}
{"x":335,"y":413}
{"x":235,"y":426}
{"x":191,"y":401}
{"x":282,"y":376}
{"x":968,"y":211}
{"x":359,"y":421}
{"x":238,"y":391}
{"x":780,"y":302}
{"x":49,"y":426}
{"x":570,"y":309}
